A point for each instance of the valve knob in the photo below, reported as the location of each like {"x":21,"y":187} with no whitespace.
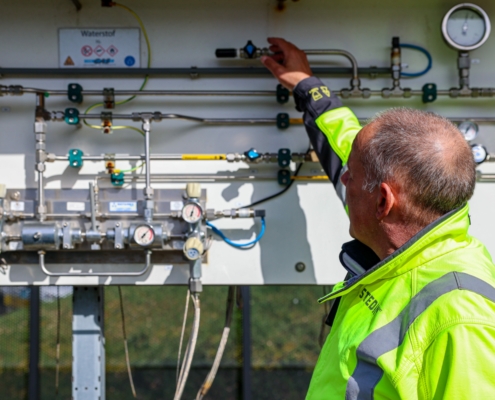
{"x":3,"y":191}
{"x":193,"y":190}
{"x":193,"y":248}
{"x":252,"y":155}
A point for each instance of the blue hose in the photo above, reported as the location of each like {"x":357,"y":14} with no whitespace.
{"x":422,"y":50}
{"x":239,"y":245}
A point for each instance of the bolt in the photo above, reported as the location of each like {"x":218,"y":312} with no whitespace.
{"x":37,"y":236}
{"x":300,"y":267}
{"x":66,"y":246}
{"x":65,"y":224}
{"x":15,"y":196}
{"x":117,"y":224}
{"x":118,"y":246}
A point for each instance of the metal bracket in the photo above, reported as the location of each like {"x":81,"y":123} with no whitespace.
{"x":75,"y":158}
{"x":147,"y":266}
{"x":108,"y":98}
{"x":74,"y":93}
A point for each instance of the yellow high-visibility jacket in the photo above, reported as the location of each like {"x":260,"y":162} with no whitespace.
{"x":419,"y":324}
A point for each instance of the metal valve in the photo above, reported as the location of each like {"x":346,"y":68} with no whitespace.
{"x":193,"y":248}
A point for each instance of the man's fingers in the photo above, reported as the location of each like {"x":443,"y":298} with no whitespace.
{"x":284,"y":45}
{"x":278,"y":57}
{"x":275,"y":68}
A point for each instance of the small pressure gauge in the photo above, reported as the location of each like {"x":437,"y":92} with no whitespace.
{"x":469,"y":130}
{"x":192,"y":212}
{"x":480,"y":153}
{"x":466,"y":27}
{"x":144,"y":235}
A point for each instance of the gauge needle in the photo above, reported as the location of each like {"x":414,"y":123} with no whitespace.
{"x":465,"y":26}
{"x":145,"y":233}
{"x":192,"y":212}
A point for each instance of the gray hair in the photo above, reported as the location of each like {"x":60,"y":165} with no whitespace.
{"x":424,"y":153}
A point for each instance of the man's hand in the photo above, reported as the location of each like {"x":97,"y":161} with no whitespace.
{"x":289,"y":64}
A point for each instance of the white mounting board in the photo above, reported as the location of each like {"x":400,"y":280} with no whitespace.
{"x":308,"y":223}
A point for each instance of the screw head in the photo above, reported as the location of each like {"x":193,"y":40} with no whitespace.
{"x":15,"y":196}
{"x":300,"y":266}
{"x":66,"y":246}
{"x":117,"y":246}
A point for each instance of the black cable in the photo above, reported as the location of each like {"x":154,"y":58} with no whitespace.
{"x":273,"y":196}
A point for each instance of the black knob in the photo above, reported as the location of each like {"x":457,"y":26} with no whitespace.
{"x":226,"y":53}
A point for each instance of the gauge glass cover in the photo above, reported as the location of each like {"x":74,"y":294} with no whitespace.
{"x":466,"y":27}
{"x":479,"y":153}
{"x":192,"y":213}
{"x":144,"y":235}
{"x":469,"y":130}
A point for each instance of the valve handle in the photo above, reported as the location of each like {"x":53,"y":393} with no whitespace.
{"x":226,"y":53}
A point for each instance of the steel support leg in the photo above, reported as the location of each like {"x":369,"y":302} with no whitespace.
{"x":88,"y":344}
{"x":34,"y":344}
{"x":247,"y":393}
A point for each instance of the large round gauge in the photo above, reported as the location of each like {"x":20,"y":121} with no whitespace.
{"x":192,"y":212}
{"x":144,"y":235}
{"x":466,"y":27}
{"x":469,"y":130}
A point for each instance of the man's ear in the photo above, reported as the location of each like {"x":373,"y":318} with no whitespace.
{"x":385,"y":201}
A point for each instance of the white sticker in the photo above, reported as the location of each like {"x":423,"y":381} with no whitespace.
{"x":76,"y":206}
{"x":99,"y":48}
{"x":16,"y":206}
{"x":123,"y":206}
{"x":176,"y":205}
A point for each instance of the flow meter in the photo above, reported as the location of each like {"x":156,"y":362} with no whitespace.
{"x":469,"y":130}
{"x":192,"y":212}
{"x":466,"y":27}
{"x":480,"y":153}
{"x":144,"y":235}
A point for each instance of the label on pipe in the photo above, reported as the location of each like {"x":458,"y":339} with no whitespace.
{"x":99,"y":48}
{"x":204,"y":157}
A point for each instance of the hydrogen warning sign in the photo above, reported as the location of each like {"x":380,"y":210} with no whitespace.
{"x":99,"y":48}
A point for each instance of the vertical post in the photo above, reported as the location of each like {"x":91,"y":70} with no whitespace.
{"x":246,"y":343}
{"x":88,"y":344}
{"x":34,"y":344}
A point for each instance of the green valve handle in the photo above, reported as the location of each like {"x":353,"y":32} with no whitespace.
{"x":429,"y":93}
{"x":283,"y":121}
{"x":282,"y":94}
{"x":117,"y":179}
{"x":284,"y":158}
{"x":71,"y":116}
{"x":75,"y":158}
{"x":74,"y":93}
{"x":283,"y":177}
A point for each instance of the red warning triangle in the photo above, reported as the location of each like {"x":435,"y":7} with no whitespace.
{"x":69,"y":61}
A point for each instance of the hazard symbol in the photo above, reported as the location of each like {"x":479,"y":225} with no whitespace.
{"x":86,"y":51}
{"x":69,"y":61}
{"x":99,"y":51}
{"x":112,"y":50}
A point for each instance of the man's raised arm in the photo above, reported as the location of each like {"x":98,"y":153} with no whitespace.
{"x":331,"y":127}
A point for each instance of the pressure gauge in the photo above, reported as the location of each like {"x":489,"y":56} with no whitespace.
{"x":144,"y":235}
{"x":192,"y":212}
{"x":466,"y":27}
{"x":469,"y":130}
{"x":480,"y":153}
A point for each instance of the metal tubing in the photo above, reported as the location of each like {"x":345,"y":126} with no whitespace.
{"x":147,"y":160}
{"x":147,"y":266}
{"x":92,"y":205}
{"x":116,"y":72}
{"x":336,"y":52}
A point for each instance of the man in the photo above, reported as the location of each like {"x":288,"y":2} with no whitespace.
{"x":415,"y":318}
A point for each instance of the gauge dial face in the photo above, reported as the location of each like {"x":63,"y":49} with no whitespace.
{"x":466,"y":27}
{"x":192,"y":213}
{"x":479,"y":153}
{"x":469,"y":130}
{"x":144,"y":235}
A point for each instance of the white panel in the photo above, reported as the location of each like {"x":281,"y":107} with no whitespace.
{"x":307,"y":224}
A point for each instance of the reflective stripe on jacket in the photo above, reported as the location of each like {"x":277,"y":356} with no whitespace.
{"x":419,"y":324}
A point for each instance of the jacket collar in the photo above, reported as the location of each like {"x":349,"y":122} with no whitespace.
{"x":365,"y":267}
